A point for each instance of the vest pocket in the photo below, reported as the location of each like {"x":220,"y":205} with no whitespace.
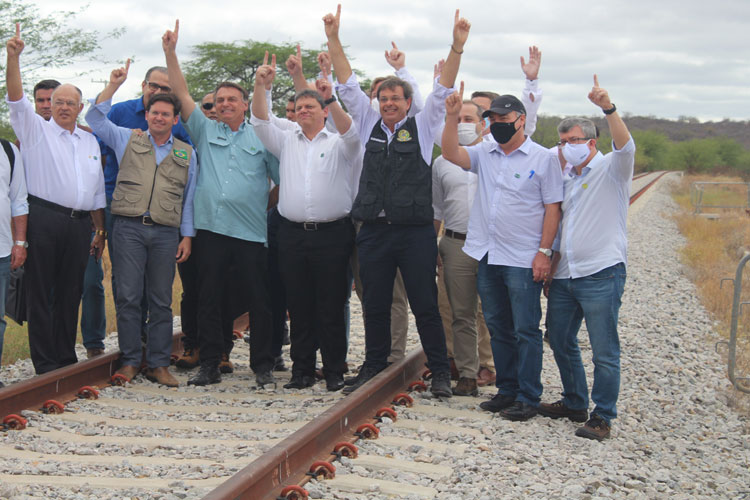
{"x":171,"y":205}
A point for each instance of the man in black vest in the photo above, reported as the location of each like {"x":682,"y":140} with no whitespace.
{"x":395,"y":204}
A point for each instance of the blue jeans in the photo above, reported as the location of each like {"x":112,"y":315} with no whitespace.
{"x":596,"y":298}
{"x":512,"y":311}
{"x":4,"y":278}
{"x":144,"y":253}
{"x":93,"y":315}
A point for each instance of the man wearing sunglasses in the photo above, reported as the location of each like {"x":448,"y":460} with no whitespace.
{"x":207,"y":106}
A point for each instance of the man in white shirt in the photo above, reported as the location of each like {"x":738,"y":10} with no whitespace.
{"x":318,"y":171}
{"x":511,"y":230}
{"x":65,"y":192}
{"x":589,"y":279}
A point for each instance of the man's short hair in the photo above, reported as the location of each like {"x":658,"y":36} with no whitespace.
{"x":392,"y":82}
{"x":477,"y":106}
{"x":292,"y":98}
{"x":377,"y":81}
{"x":587,"y":126}
{"x":80,"y":94}
{"x":168,"y":98}
{"x":310,"y":93}
{"x":160,"y":69}
{"x":486,"y":94}
{"x":232,"y":85}
{"x":46,"y":85}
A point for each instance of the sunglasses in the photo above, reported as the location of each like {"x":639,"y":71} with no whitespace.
{"x":208,"y":106}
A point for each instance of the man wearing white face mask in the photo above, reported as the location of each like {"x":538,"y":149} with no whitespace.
{"x":589,"y":271}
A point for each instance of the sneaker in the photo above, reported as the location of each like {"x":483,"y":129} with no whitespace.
{"x":519,"y":412}
{"x":364,"y":375}
{"x":595,"y":428}
{"x":278,"y":364}
{"x":226,"y":366}
{"x":264,"y":378}
{"x":441,"y":385}
{"x":466,"y":387}
{"x":207,"y":374}
{"x":334,"y":382}
{"x":189,"y":359}
{"x":299,"y":381}
{"x":498,"y":402}
{"x":559,"y":410}
{"x":485,"y":377}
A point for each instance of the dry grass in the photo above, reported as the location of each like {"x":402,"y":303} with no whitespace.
{"x":713,"y":251}
{"x":16,"y":344}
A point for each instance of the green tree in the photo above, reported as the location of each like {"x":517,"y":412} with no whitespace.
{"x":695,"y":155}
{"x":651,"y":150}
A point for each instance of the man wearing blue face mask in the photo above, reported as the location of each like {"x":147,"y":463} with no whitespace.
{"x":512,"y":225}
{"x":589,"y":271}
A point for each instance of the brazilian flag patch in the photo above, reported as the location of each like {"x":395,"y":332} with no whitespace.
{"x":180,"y":153}
{"x":403,"y":136}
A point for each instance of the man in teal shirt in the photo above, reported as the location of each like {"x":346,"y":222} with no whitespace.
{"x":230,"y":217}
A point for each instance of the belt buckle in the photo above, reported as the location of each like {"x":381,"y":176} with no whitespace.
{"x":147,"y":221}
{"x":310,"y":226}
{"x":74,"y":214}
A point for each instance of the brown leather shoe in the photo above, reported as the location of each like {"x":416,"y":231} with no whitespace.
{"x":485,"y":377}
{"x":558,"y":409}
{"x":161,"y":375}
{"x":595,"y":428}
{"x":128,"y":371}
{"x":92,"y":353}
{"x":226,"y":366}
{"x":189,"y":359}
{"x":466,"y":387}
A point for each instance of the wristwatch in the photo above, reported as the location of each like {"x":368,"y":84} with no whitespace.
{"x":19,"y":243}
{"x":546,"y":251}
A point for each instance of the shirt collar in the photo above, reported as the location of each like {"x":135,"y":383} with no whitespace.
{"x":524,"y":147}
{"x":151,"y":138}
{"x":595,"y":162}
{"x":60,"y":131}
{"x":324,"y":132}
{"x":139,"y":107}
{"x":398,"y":125}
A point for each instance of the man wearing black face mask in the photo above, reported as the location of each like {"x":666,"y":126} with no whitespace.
{"x":511,"y":229}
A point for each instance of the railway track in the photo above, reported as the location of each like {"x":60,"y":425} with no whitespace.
{"x":234,"y":440}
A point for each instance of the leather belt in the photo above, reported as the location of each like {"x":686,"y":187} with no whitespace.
{"x":315,"y":226}
{"x":74,"y":214}
{"x":143,"y":219}
{"x":453,"y":234}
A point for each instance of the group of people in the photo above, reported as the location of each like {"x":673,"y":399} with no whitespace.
{"x":329,"y":195}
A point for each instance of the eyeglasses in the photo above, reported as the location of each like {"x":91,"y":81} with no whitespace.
{"x":573,"y":140}
{"x":394,"y":99}
{"x":58,"y":103}
{"x":207,"y":106}
{"x":155,"y":86}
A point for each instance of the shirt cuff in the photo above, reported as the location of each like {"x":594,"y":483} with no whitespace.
{"x":103,"y":106}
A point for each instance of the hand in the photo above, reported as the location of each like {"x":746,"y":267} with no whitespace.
{"x":324,"y":88}
{"x":599,"y":96}
{"x":138,"y":132}
{"x":541,"y":266}
{"x":169,"y":39}
{"x":184,"y":248}
{"x":331,"y":23}
{"x":395,"y":57}
{"x":97,"y":246}
{"x":455,"y":101}
{"x":438,"y":68}
{"x":266,"y":79}
{"x":461,"y":29}
{"x":17,"y":256}
{"x":324,"y":63}
{"x":119,"y":75}
{"x":294,"y":62}
{"x":531,"y":69}
{"x":15,"y":45}
{"x":439,"y":265}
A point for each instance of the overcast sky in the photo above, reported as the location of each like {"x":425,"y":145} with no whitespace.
{"x":664,"y":58}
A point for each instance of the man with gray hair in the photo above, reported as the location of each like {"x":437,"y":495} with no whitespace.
{"x":589,"y":270}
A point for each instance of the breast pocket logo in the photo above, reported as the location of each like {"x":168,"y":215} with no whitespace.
{"x":403,"y":136}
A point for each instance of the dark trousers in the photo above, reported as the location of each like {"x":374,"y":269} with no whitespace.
{"x":58,"y":252}
{"x":314,"y":266}
{"x":276,"y":288}
{"x":413,"y":250}
{"x":221,"y":259}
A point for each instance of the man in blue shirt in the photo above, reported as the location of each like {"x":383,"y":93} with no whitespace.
{"x":230,"y":217}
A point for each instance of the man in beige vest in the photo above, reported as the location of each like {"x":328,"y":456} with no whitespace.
{"x":153,"y":205}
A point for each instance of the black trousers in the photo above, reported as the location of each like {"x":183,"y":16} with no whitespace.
{"x":55,"y":265}
{"x":314,"y":266}
{"x":221,"y":259}
{"x":276,"y":289}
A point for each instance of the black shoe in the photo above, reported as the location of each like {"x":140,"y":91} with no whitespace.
{"x":497,"y":403}
{"x":519,"y":412}
{"x":364,"y":375}
{"x":353,"y":380}
{"x":559,"y":410}
{"x":208,"y":373}
{"x":595,"y":428}
{"x":334,"y":381}
{"x":441,"y":385}
{"x":264,"y":378}
{"x":300,"y":382}
{"x":278,"y":364}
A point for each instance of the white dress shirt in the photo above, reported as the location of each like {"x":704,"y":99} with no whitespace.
{"x":508,"y":212}
{"x":595,"y":211}
{"x":453,"y":190}
{"x":61,"y":167}
{"x":12,"y":198}
{"x":317,"y":178}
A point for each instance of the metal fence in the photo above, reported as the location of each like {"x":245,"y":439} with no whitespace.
{"x":700,"y":201}
{"x":740,"y":383}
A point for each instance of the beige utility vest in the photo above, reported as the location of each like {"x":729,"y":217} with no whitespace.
{"x":143,"y":187}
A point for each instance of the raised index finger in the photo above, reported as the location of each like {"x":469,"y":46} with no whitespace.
{"x":394,"y":45}
{"x":18,"y":30}
{"x":299,"y":52}
{"x":338,"y":12}
{"x":461,"y":91}
{"x":273,"y":61}
{"x":127,"y":65}
{"x":265,"y":58}
{"x":596,"y":81}
{"x":176,"y":26}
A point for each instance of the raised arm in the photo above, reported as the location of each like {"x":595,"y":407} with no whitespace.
{"x":340,"y":118}
{"x":13,"y":69}
{"x":176,"y":78}
{"x":294,"y":67}
{"x":335,"y":49}
{"x":116,"y":79}
{"x":461,"y":29}
{"x":617,"y":127}
{"x":263,"y":77}
{"x":452,"y":151}
{"x":531,"y":97}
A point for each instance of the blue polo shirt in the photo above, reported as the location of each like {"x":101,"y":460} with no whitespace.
{"x":232,"y":191}
{"x":129,"y":114}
